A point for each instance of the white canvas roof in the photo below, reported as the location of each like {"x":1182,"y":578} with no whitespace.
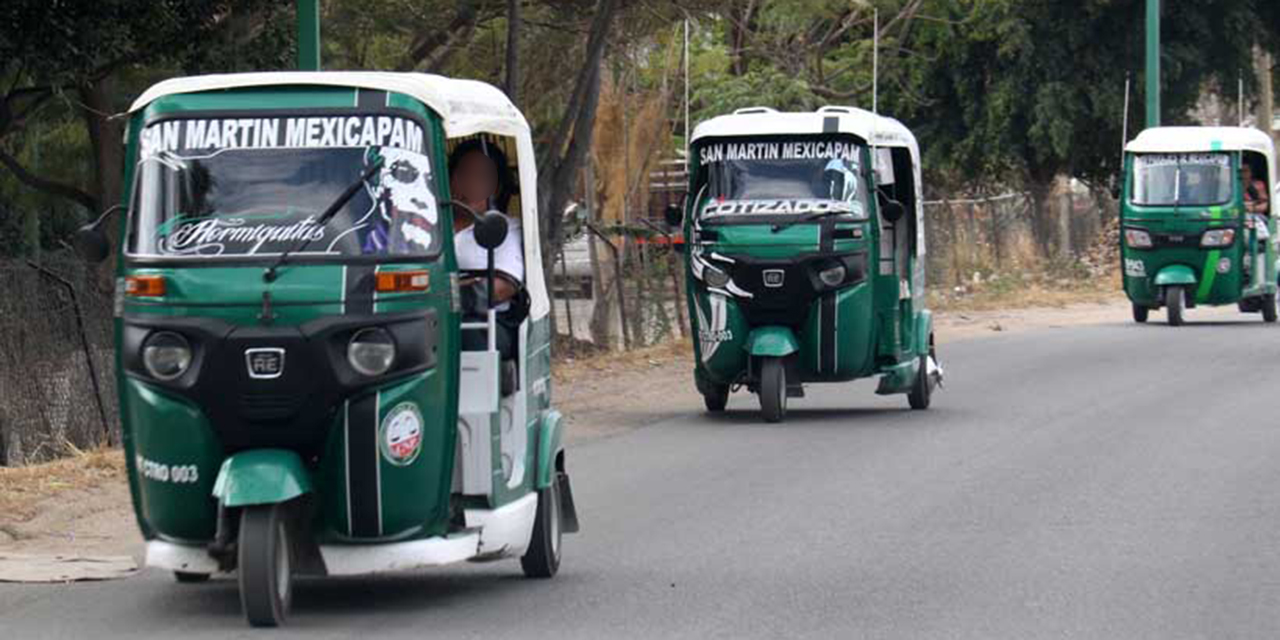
{"x":467,"y":107}
{"x":1193,"y":139}
{"x":760,"y":121}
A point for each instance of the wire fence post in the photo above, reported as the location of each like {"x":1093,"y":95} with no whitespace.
{"x":84,"y":345}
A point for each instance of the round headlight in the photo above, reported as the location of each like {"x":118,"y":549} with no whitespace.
{"x":166,"y":355}
{"x":714,"y":277}
{"x":371,"y":351}
{"x":832,"y":276}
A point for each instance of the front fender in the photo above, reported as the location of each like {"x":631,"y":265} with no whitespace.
{"x":1175,"y":274}
{"x":548,"y":448}
{"x":261,"y":476}
{"x":924,"y":330}
{"x":772,"y":342}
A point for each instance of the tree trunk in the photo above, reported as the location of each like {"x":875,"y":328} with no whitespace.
{"x":1040,"y":215}
{"x":513,"y":51}
{"x":98,"y":100}
{"x":1266,"y":98}
{"x":1064,"y":218}
{"x":571,"y":140}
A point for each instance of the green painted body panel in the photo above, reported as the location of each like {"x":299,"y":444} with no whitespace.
{"x":855,"y":353}
{"x":549,"y":438}
{"x":772,"y":342}
{"x":1146,"y":271}
{"x":924,"y":331}
{"x":722,"y":355}
{"x":1178,"y":274}
{"x":169,"y":438}
{"x":899,"y":378}
{"x":160,"y":429}
{"x":261,"y":476}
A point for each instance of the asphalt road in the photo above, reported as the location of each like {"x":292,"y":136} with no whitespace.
{"x":1111,"y":481}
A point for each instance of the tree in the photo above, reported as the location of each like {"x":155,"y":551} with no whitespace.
{"x":1027,"y":91}
{"x":59,"y":61}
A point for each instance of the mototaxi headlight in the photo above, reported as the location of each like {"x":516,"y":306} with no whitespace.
{"x":714,"y":277}
{"x":371,"y":351}
{"x":1137,"y":238}
{"x":1218,"y":238}
{"x":832,"y":275}
{"x":166,"y":355}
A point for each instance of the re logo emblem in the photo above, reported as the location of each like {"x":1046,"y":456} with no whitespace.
{"x":773,"y":278}
{"x":264,"y":363}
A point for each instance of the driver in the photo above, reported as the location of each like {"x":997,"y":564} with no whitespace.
{"x":1255,"y":192}
{"x":480,"y":177}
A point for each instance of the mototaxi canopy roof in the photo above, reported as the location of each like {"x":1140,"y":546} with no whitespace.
{"x":1207,"y":140}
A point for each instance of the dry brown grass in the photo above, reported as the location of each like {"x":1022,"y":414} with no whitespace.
{"x":22,"y":489}
{"x":569,"y":370}
{"x":1008,"y":293}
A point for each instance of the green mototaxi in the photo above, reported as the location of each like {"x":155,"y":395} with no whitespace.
{"x":294,"y":394}
{"x":1187,"y":239}
{"x":796,"y":271}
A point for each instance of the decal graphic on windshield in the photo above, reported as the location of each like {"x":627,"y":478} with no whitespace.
{"x":281,"y":133}
{"x":783,"y":176}
{"x":258,"y":186}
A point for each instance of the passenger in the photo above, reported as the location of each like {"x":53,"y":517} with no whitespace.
{"x":1255,"y":192}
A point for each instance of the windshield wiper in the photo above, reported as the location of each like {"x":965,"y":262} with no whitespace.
{"x":808,"y":217}
{"x":269,"y":275}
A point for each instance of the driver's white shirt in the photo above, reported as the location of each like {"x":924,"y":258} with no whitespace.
{"x":507,"y":258}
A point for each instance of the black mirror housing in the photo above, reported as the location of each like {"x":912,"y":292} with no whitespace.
{"x":892,"y":210}
{"x":491,"y":230}
{"x":674,"y":215}
{"x":92,"y":243}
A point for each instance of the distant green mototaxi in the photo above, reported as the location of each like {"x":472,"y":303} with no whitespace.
{"x":290,"y":319}
{"x":805,"y":264}
{"x":1188,"y":238}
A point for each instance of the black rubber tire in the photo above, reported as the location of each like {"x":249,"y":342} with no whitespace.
{"x":717,"y":399}
{"x":1269,"y":308}
{"x":186,"y":577}
{"x":1140,"y":313}
{"x":542,"y":558}
{"x":1173,"y":302}
{"x":773,"y":389}
{"x":921,"y":394}
{"x":265,"y":559}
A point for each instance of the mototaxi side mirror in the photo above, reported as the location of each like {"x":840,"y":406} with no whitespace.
{"x":1115,"y":190}
{"x":673,"y":214}
{"x":892,"y":210}
{"x":491,"y":230}
{"x":92,"y":243}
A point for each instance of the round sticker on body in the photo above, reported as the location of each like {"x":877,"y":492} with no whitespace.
{"x":401,"y":434}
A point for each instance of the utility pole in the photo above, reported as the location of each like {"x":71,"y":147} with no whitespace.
{"x":1153,"y":63}
{"x":308,"y":35}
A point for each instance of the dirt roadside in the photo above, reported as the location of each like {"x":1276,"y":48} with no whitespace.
{"x":81,"y":505}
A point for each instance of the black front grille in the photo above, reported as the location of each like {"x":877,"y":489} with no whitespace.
{"x":268,"y":407}
{"x":1175,"y":241}
{"x":782,"y":289}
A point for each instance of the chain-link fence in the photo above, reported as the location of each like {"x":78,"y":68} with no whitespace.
{"x":968,"y":239}
{"x":977,"y":235}
{"x":57,"y":369}
{"x":617,"y":286}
